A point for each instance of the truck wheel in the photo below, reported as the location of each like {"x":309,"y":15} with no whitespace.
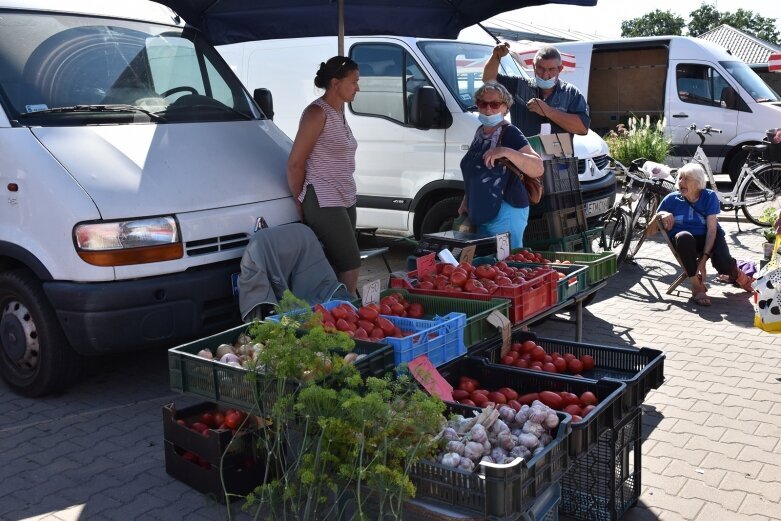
{"x":441,"y":215}
{"x":35,"y":358}
{"x":736,"y":164}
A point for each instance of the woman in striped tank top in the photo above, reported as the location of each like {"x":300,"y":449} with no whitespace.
{"x":321,"y":167}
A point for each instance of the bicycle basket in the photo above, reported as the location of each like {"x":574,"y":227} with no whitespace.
{"x":661,"y":187}
{"x":773,"y":152}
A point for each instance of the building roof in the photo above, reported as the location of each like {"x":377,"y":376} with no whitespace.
{"x":741,"y":44}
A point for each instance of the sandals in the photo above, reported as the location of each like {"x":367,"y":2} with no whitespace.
{"x":701,"y":298}
{"x":744,"y":281}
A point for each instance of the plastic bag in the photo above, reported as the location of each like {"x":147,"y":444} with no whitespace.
{"x":767,"y":296}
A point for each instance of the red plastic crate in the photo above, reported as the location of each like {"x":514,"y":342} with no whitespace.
{"x":526,"y":300}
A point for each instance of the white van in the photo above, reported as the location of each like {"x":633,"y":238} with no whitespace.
{"x":685,"y":80}
{"x":136,"y":168}
{"x":413,"y":118}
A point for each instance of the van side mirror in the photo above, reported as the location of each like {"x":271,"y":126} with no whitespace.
{"x":428,"y":110}
{"x":265,"y":101}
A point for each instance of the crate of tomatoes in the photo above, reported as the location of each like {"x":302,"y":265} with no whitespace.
{"x":530,"y":291}
{"x":593,"y":405}
{"x":441,"y":338}
{"x":572,"y":278}
{"x":641,"y":369}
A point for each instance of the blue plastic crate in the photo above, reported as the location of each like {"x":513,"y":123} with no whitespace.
{"x":441,"y":338}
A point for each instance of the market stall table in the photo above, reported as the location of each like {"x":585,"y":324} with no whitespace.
{"x":576,"y":313}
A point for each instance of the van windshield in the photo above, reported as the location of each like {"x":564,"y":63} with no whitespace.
{"x":750,"y":81}
{"x":460,"y":65}
{"x":60,"y":69}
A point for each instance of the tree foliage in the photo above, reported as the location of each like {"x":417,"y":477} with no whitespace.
{"x":701,"y":20}
{"x":655,"y":23}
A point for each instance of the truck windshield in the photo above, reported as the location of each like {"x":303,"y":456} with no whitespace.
{"x":750,"y":81}
{"x":61,"y":69}
{"x":460,"y":65}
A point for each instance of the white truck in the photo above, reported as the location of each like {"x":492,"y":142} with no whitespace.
{"x":683,"y":80}
{"x":136,"y":167}
{"x":413,"y":119}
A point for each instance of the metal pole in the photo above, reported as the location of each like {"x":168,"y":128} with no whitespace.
{"x":340,"y":14}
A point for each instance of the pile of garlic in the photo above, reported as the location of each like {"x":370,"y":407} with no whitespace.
{"x":498,"y":436}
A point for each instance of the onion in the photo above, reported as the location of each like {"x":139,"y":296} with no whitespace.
{"x":451,"y":459}
{"x":205,"y":353}
{"x":223,"y":350}
{"x":227,"y":358}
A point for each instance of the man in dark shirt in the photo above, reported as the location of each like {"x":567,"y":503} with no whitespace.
{"x":544,"y":99}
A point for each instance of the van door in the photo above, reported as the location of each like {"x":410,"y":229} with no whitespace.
{"x":700,"y":94}
{"x":394,"y":159}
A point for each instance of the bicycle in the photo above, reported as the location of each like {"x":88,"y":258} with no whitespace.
{"x":758,"y":186}
{"x":643,"y":190}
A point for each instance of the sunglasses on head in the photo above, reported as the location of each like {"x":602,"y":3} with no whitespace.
{"x":493,"y":104}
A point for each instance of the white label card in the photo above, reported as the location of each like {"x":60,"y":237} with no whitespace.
{"x":502,"y":245}
{"x":370,"y":292}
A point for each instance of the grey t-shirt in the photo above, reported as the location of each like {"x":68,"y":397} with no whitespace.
{"x":565,"y":97}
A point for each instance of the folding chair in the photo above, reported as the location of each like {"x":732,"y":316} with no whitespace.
{"x":654,"y":227}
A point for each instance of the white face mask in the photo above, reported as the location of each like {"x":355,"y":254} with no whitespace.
{"x":544,"y":84}
{"x":492,"y":120}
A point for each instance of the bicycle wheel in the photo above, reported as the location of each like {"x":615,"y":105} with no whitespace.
{"x":615,"y":227}
{"x":644,"y":212}
{"x":758,"y":199}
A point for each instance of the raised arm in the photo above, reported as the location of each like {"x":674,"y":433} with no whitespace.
{"x":491,"y":69}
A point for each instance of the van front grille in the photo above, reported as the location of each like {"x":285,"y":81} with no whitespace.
{"x":216,"y":244}
{"x":600,"y":161}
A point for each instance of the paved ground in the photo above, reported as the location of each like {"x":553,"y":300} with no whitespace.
{"x":711,"y":446}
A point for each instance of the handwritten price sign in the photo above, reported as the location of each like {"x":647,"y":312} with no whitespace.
{"x":502,"y":245}
{"x":370,"y":292}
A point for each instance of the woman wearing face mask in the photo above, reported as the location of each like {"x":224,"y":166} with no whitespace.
{"x":543,"y":100}
{"x":494,"y":197}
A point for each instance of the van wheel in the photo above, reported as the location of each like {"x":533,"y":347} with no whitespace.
{"x":441,"y":215}
{"x":35,"y":358}
{"x":736,"y":164}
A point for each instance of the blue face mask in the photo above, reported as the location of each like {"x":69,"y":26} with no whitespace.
{"x":492,"y":120}
{"x":544,"y":84}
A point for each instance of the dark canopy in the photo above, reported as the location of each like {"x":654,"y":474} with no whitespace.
{"x":234,"y":21}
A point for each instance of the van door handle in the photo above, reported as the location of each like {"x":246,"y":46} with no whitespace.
{"x":680,"y":115}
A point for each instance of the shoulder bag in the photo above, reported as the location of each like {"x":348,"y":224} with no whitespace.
{"x":533,"y":184}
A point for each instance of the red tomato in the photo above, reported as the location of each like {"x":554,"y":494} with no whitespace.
{"x":467,"y":386}
{"x":219,"y":418}
{"x":343,"y":325}
{"x":528,"y":398}
{"x":510,"y":394}
{"x":460,"y":394}
{"x":497,"y":398}
{"x":458,"y":278}
{"x":367,"y":313}
{"x":588,"y":398}
{"x":361,"y":334}
{"x":575,"y":366}
{"x":426,"y":285}
{"x":517,"y":347}
{"x":385,"y":309}
{"x":386,"y":326}
{"x":528,"y":346}
{"x":366,"y":325}
{"x":503,"y":281}
{"x":377,"y":333}
{"x":560,"y":364}
{"x":514,"y":404}
{"x":397,"y":309}
{"x":447,"y":269}
{"x":508,"y":360}
{"x":468,"y":402}
{"x":538,"y":354}
{"x":199,"y":427}
{"x":338,"y":313}
{"x":574,"y":410}
{"x":415,"y":310}
{"x":207,"y":419}
{"x":548,"y":367}
{"x":233,"y":420}
{"x":479,"y":399}
{"x":569,"y":398}
{"x":551,"y":399}
{"x":522,"y":363}
{"x":588,"y":362}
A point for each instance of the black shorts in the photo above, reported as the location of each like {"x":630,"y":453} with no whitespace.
{"x":335,"y":227}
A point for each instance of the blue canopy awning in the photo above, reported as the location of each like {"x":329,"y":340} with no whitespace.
{"x":234,"y":21}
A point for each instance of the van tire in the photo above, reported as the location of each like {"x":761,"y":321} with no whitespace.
{"x":441,"y":215}
{"x":43,"y":362}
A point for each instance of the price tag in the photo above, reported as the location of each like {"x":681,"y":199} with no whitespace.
{"x":424,"y":372}
{"x":426,"y":264}
{"x":503,"y":323}
{"x":370,"y":292}
{"x":502,"y":245}
{"x":468,"y":253}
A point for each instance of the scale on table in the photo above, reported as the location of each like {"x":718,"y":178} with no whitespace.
{"x":455,"y":242}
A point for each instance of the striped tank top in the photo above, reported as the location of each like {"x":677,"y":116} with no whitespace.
{"x":331,"y":165}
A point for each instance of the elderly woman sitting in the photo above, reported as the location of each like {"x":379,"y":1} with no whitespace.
{"x":690,"y":217}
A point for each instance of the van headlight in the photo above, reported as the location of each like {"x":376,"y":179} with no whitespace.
{"x":121,"y":243}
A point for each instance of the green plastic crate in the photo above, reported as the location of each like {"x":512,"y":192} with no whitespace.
{"x":579,"y":242}
{"x":218,"y":382}
{"x":600,"y":265}
{"x":477,"y":326}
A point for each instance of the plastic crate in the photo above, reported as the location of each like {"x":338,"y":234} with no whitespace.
{"x":495,"y":491}
{"x":556,"y":201}
{"x":605,"y":483}
{"x":773,"y":152}
{"x":640,"y":369}
{"x":441,"y":339}
{"x":243,"y":467}
{"x":573,"y":282}
{"x":557,"y":223}
{"x":477,"y":327}
{"x":600,"y":265}
{"x":580,"y":242}
{"x":585,"y":433}
{"x":560,"y":175}
{"x":218,"y":382}
{"x":526,"y":300}
{"x":546,"y":506}
{"x":661,"y":187}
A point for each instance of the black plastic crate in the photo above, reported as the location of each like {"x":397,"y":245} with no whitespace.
{"x":556,"y":201}
{"x":585,"y":433}
{"x":605,"y":482}
{"x":455,"y":242}
{"x":555,"y":224}
{"x":498,"y":491}
{"x":579,"y":242}
{"x":773,"y":152}
{"x":641,"y":369}
{"x":560,"y":175}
